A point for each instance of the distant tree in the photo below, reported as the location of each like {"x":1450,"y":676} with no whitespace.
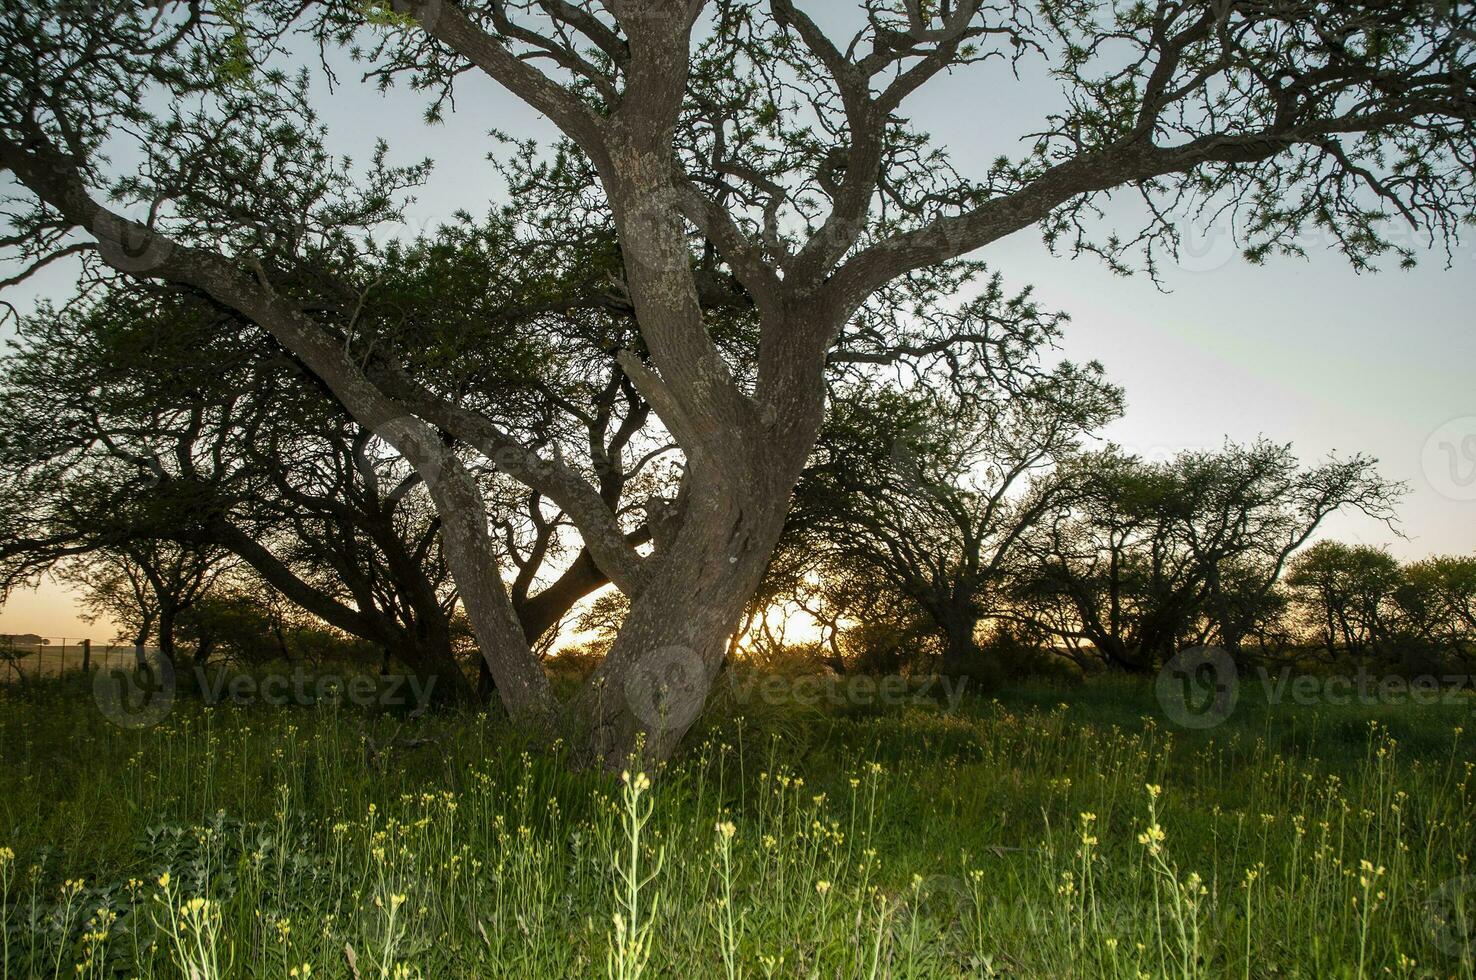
{"x":1244,"y":604}
{"x":1154,"y":555}
{"x":1436,"y":603}
{"x":1346,"y":593}
{"x":237,"y":626}
{"x":865,"y":624}
{"x":132,"y":426}
{"x":245,"y":623}
{"x":931,"y":495}
{"x":145,"y":588}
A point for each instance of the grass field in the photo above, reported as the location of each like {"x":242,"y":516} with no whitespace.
{"x":1049,"y":833}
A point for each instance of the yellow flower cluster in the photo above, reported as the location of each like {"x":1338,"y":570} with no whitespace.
{"x":1152,"y":838}
{"x":1088,"y":839}
{"x":1369,"y":873}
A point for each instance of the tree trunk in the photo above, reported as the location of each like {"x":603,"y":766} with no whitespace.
{"x":1233,"y":637}
{"x":204,"y":648}
{"x":167,"y":615}
{"x":654,"y":682}
{"x":520,"y":680}
{"x":486,"y":686}
{"x":141,"y":637}
{"x":431,"y":661}
{"x":1118,"y":654}
{"x":540,"y":613}
{"x":963,"y":658}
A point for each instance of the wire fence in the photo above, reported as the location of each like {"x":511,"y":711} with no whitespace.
{"x":29,"y":656}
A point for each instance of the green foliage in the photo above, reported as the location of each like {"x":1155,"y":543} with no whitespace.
{"x":1344,"y":591}
{"x":1437,"y":601}
{"x":1021,"y":837}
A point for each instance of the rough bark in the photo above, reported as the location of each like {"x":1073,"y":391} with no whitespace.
{"x":654,"y":682}
{"x":168,"y":614}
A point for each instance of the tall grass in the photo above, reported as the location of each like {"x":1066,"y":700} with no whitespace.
{"x":1013,"y":837}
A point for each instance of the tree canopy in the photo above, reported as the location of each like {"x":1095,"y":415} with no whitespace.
{"x":744,"y":156}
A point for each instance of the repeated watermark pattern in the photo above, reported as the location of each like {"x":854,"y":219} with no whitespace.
{"x":1208,"y":241}
{"x":667,"y":690}
{"x":1200,"y":687}
{"x":1450,"y":916}
{"x":142,"y":696}
{"x":130,"y":246}
{"x":850,"y":690}
{"x":305,"y":689}
{"x":1203,"y":245}
{"x":1449,"y":459}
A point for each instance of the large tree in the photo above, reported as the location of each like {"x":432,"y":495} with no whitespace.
{"x":734,"y":141}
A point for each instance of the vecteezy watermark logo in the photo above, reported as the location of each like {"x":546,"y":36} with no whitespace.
{"x":129,"y":246}
{"x":850,"y":690}
{"x":1203,"y":244}
{"x":666,"y":688}
{"x":1198,"y":687}
{"x":136,"y":697}
{"x":142,"y":696}
{"x":306,"y":690}
{"x":914,"y":458}
{"x":1450,"y":917}
{"x":417,"y":443}
{"x":1449,"y":459}
{"x":945,"y":899}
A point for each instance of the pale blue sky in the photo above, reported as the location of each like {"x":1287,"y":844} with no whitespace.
{"x":1304,"y":351}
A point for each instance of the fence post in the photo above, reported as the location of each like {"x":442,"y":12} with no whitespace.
{"x":86,"y":655}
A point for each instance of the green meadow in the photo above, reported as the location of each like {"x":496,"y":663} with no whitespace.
{"x":1048,"y":832}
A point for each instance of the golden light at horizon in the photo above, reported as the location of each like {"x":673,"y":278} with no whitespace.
{"x":51,"y":610}
{"x":54,"y":611}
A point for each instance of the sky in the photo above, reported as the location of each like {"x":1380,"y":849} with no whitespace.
{"x":1304,"y":351}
